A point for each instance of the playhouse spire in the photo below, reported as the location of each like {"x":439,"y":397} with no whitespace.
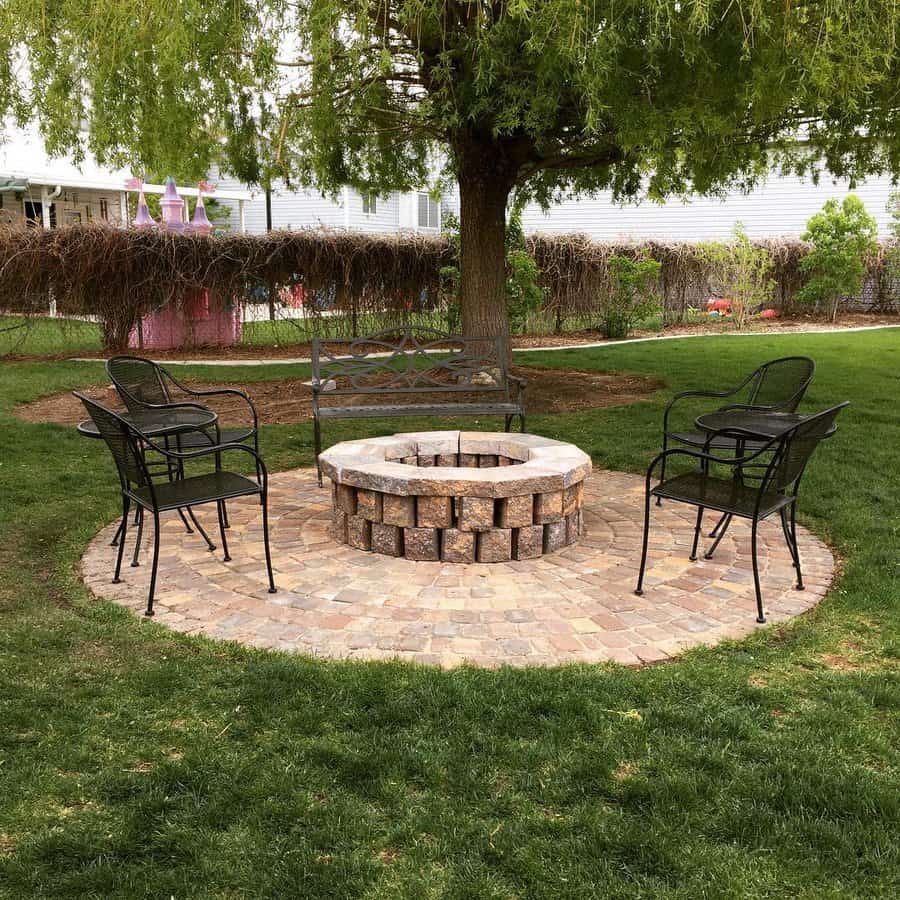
{"x":172,"y":207}
{"x":142,"y":219}
{"x":200,"y":223}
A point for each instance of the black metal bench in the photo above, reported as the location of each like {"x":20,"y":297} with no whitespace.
{"x":406,"y":362}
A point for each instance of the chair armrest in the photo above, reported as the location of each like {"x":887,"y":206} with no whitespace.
{"x":176,"y":405}
{"x":234,"y":392}
{"x":728,"y":392}
{"x":739,"y":434}
{"x":749,"y":407}
{"x":212,"y":392}
{"x":212,"y":450}
{"x":734,"y":462}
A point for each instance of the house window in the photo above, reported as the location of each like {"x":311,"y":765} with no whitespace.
{"x":370,"y":204}
{"x":104,"y":209}
{"x":429,"y":211}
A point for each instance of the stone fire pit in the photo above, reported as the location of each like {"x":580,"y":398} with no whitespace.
{"x":457,"y":496}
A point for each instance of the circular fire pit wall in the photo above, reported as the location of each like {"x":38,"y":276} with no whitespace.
{"x":457,"y":496}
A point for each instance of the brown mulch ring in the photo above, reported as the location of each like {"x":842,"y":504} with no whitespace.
{"x":286,"y":401}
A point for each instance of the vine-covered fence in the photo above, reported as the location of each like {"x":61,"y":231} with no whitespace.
{"x":343,"y":279}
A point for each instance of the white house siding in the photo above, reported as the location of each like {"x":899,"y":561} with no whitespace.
{"x":73,"y":205}
{"x":780,"y":207}
{"x":303,"y":208}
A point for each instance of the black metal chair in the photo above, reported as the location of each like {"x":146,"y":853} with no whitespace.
{"x":142,"y":383}
{"x":778,"y":386}
{"x":150,"y":493}
{"x":785,"y":458}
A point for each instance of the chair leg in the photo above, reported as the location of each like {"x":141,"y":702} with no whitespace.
{"x":718,"y":525}
{"x":210,"y":545}
{"x":223,"y":512}
{"x":800,"y":586}
{"x":135,"y":562}
{"x":639,"y":590}
{"x":117,"y":536}
{"x":123,"y":530}
{"x":265,"y":517}
{"x":693,"y":556}
{"x":662,"y":468}
{"x":722,"y":527}
{"x":149,"y":611}
{"x":184,"y":519}
{"x":760,"y":615}
{"x":220,"y":507}
{"x":786,"y":530}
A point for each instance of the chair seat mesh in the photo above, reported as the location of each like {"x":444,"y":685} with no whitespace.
{"x":723,"y":494}
{"x":196,"y":489}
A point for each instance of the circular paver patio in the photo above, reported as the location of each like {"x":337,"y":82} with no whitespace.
{"x":576,"y":605}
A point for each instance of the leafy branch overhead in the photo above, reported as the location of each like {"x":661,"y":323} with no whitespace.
{"x":655,"y":95}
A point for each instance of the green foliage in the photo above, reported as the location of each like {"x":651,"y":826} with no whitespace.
{"x":449,"y":274}
{"x":891,"y":259}
{"x":842,"y":237}
{"x":632,"y":295}
{"x":537,"y":97}
{"x":741,"y":272}
{"x":524,"y":294}
{"x":659,"y":97}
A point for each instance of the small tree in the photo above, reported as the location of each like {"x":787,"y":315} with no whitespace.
{"x":891,"y":272}
{"x":842,"y":236}
{"x":632,"y":294}
{"x":524,"y":294}
{"x":742,"y":273}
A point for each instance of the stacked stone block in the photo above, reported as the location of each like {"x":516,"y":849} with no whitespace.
{"x":458,"y":529}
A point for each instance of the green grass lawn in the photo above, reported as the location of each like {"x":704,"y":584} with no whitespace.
{"x":135,"y":762}
{"x":35,"y":335}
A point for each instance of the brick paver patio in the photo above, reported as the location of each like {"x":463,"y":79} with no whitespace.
{"x":576,"y":605}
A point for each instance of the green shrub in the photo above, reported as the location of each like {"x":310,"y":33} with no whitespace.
{"x":524,"y":294}
{"x":841,"y":237}
{"x":632,"y":294}
{"x":741,"y":272}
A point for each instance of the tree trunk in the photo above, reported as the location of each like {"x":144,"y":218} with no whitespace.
{"x":483,"y":194}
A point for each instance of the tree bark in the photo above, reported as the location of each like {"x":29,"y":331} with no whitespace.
{"x":483,"y":193}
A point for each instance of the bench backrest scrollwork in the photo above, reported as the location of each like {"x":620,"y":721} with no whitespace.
{"x":410,"y":360}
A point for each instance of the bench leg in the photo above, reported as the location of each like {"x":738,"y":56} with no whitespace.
{"x":508,"y":423}
{"x":522,"y":422}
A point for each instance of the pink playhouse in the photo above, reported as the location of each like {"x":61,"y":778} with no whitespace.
{"x":203,"y":318}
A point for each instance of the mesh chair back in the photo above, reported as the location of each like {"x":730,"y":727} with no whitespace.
{"x":797,"y":447}
{"x":781,"y":384}
{"x":121,"y":440}
{"x":137,"y":380}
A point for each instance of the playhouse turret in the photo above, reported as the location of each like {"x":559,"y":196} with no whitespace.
{"x":172,"y":207}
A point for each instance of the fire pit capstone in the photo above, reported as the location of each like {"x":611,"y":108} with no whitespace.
{"x":457,"y":496}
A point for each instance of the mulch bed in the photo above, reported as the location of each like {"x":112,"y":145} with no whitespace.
{"x":287,"y":401}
